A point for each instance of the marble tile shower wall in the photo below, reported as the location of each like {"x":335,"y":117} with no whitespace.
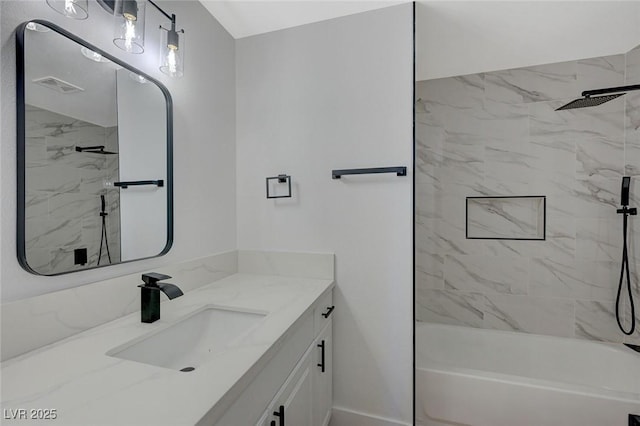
{"x":498,"y":134}
{"x":63,"y":190}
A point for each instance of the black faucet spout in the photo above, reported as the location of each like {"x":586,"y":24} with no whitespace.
{"x":171,"y":290}
{"x":150,"y":295}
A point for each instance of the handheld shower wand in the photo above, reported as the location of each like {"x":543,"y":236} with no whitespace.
{"x":625,"y":211}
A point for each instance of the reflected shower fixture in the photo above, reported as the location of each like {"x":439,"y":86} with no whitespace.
{"x":590,"y":100}
{"x":98,"y":149}
{"x":74,"y":9}
{"x":128,"y":18}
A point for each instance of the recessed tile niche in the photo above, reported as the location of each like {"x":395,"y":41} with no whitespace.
{"x":506,"y":218}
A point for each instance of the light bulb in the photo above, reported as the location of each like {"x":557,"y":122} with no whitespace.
{"x":75,"y":9}
{"x":129,"y":34}
{"x":172,"y":62}
{"x":70,"y":7}
{"x":172,"y":51}
{"x":129,"y":25}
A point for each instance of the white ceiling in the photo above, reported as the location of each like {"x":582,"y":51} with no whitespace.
{"x":246,"y":18}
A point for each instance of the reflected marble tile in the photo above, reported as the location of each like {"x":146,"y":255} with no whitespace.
{"x":486,"y":274}
{"x":35,"y":151}
{"x":36,"y":204}
{"x":72,"y":205}
{"x":92,"y":181}
{"x":41,"y":123}
{"x":529,"y":314}
{"x":448,"y":307}
{"x":52,"y":232}
{"x":596,"y":320}
{"x":599,"y":158}
{"x":52,"y":179}
{"x":39,"y":259}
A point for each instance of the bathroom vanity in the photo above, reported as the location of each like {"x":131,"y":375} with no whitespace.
{"x":269,"y":363}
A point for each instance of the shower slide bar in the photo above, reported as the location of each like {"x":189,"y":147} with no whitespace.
{"x":400,"y":171}
{"x":124,"y":185}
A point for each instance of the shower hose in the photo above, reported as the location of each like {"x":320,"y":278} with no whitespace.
{"x":625,"y":270}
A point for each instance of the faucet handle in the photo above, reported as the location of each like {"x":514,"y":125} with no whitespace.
{"x":152,"y":278}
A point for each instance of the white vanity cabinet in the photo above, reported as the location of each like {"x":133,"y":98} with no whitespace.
{"x":322,"y":377}
{"x":293,"y":403}
{"x":299,"y":396}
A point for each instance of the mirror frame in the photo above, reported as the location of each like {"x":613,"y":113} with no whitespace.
{"x":21,"y":143}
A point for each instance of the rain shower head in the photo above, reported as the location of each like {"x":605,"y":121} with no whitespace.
{"x":589,"y":100}
{"x":94,"y":150}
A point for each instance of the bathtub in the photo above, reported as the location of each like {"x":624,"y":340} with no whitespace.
{"x":467,"y":376}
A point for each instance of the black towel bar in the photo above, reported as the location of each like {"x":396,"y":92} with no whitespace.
{"x":400,"y":171}
{"x":125,"y":185}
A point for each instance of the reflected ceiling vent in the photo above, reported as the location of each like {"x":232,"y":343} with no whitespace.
{"x":58,"y":85}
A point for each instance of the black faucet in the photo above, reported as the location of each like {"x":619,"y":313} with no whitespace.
{"x":150,"y":297}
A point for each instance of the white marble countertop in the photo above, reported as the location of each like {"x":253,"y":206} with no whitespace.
{"x":85,"y":386}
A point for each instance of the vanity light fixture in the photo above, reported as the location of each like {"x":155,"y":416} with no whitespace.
{"x":74,"y":9}
{"x":171,"y":50}
{"x":129,"y":35}
{"x":137,"y":78}
{"x":128,"y":18}
{"x":32,"y":26}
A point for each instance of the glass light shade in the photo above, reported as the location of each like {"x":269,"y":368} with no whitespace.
{"x":32,"y":26}
{"x":75,"y":9}
{"x":128,"y":18}
{"x":172,"y":52}
{"x":94,"y":56}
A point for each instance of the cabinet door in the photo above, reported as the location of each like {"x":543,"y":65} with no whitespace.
{"x":322,"y":380}
{"x":294,"y":400}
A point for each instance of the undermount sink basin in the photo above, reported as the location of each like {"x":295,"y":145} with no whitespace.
{"x":191,"y":341}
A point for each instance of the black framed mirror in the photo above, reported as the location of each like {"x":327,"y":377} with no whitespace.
{"x":94,"y":149}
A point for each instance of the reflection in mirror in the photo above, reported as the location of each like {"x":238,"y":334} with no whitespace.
{"x":94,"y":157}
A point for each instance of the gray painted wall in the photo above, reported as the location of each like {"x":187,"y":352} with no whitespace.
{"x":331,"y":95}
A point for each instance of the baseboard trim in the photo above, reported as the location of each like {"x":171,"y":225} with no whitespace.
{"x":341,"y":416}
